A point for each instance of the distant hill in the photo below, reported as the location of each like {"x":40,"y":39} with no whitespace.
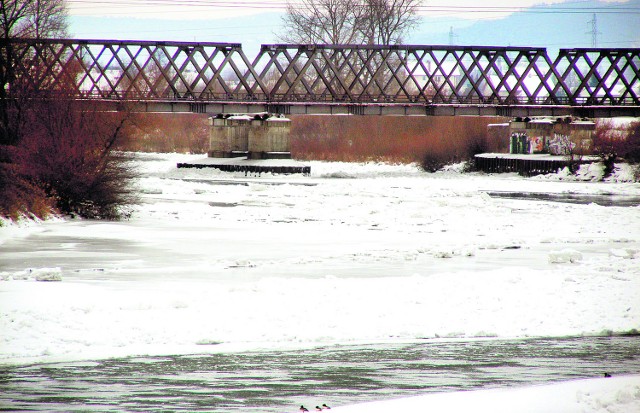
{"x":548,"y":29}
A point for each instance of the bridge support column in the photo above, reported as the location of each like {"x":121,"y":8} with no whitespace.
{"x":550,"y":135}
{"x":228,"y":137}
{"x":260,"y":136}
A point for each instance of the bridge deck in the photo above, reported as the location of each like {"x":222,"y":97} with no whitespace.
{"x":397,"y":109}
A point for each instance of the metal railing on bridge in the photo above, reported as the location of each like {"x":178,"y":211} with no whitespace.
{"x":144,"y":71}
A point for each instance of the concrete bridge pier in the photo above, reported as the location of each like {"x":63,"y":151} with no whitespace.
{"x":256,"y":136}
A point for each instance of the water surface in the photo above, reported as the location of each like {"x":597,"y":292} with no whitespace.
{"x":279,"y":381}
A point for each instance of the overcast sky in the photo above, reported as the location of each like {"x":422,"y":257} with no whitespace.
{"x":208,"y":9}
{"x":256,"y":22}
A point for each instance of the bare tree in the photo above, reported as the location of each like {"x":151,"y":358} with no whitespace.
{"x":388,"y":21}
{"x":382,"y":22}
{"x":22,"y":19}
{"x":33,"y":18}
{"x":323,"y":22}
{"x":379,"y":22}
{"x":45,"y":18}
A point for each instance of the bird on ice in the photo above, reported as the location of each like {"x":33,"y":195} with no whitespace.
{"x":303,"y":409}
{"x":324,"y":406}
{"x":318,"y":408}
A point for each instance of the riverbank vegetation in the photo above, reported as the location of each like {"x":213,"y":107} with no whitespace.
{"x":56,"y":155}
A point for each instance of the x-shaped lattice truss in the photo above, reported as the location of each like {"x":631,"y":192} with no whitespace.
{"x":205,"y":72}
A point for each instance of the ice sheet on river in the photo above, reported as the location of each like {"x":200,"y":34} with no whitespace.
{"x":353,"y":253}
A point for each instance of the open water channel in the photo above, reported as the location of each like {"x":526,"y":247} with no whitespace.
{"x":280,"y":381}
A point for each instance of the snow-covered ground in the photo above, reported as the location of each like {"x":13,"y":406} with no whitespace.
{"x":354,"y":253}
{"x":611,"y":395}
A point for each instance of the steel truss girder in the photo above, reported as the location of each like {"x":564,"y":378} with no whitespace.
{"x":352,"y":74}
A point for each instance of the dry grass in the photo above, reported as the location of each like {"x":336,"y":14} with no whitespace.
{"x":338,"y":138}
{"x":391,"y":138}
{"x":161,"y":132}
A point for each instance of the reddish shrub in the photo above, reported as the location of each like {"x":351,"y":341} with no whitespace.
{"x":67,"y":151}
{"x":631,"y":150}
{"x":19,"y":196}
{"x":613,"y":141}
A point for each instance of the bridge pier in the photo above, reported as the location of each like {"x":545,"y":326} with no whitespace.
{"x":539,"y":145}
{"x":256,"y":136}
{"x":240,"y":143}
{"x":547,"y":135}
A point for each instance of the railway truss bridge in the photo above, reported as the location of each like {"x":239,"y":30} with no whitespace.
{"x":288,"y":79}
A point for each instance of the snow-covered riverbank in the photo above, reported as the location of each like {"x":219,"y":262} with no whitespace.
{"x":611,"y":395}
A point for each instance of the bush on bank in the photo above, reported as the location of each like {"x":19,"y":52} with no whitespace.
{"x":64,"y":162}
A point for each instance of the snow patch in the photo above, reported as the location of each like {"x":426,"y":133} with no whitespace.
{"x":454,"y":252}
{"x":564,"y":256}
{"x":457,"y":168}
{"x":623,"y":172}
{"x":242,"y":264}
{"x":47,"y":274}
{"x":36,"y":274}
{"x":443,"y":254}
{"x":627,"y":253}
{"x":611,"y":395}
{"x":594,"y":172}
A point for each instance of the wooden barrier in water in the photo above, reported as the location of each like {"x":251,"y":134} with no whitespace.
{"x":250,"y":169}
{"x":525,"y":165}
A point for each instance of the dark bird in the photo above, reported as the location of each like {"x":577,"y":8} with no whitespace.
{"x":324,"y":406}
{"x":303,"y":409}
{"x":607,"y":375}
{"x":318,"y":408}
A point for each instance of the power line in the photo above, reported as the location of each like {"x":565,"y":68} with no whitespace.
{"x":212,"y":31}
{"x":263,"y":4}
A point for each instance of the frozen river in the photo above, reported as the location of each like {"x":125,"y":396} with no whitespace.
{"x":359,"y":282}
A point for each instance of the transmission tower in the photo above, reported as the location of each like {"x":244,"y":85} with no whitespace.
{"x":452,"y":36}
{"x":594,"y":31}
